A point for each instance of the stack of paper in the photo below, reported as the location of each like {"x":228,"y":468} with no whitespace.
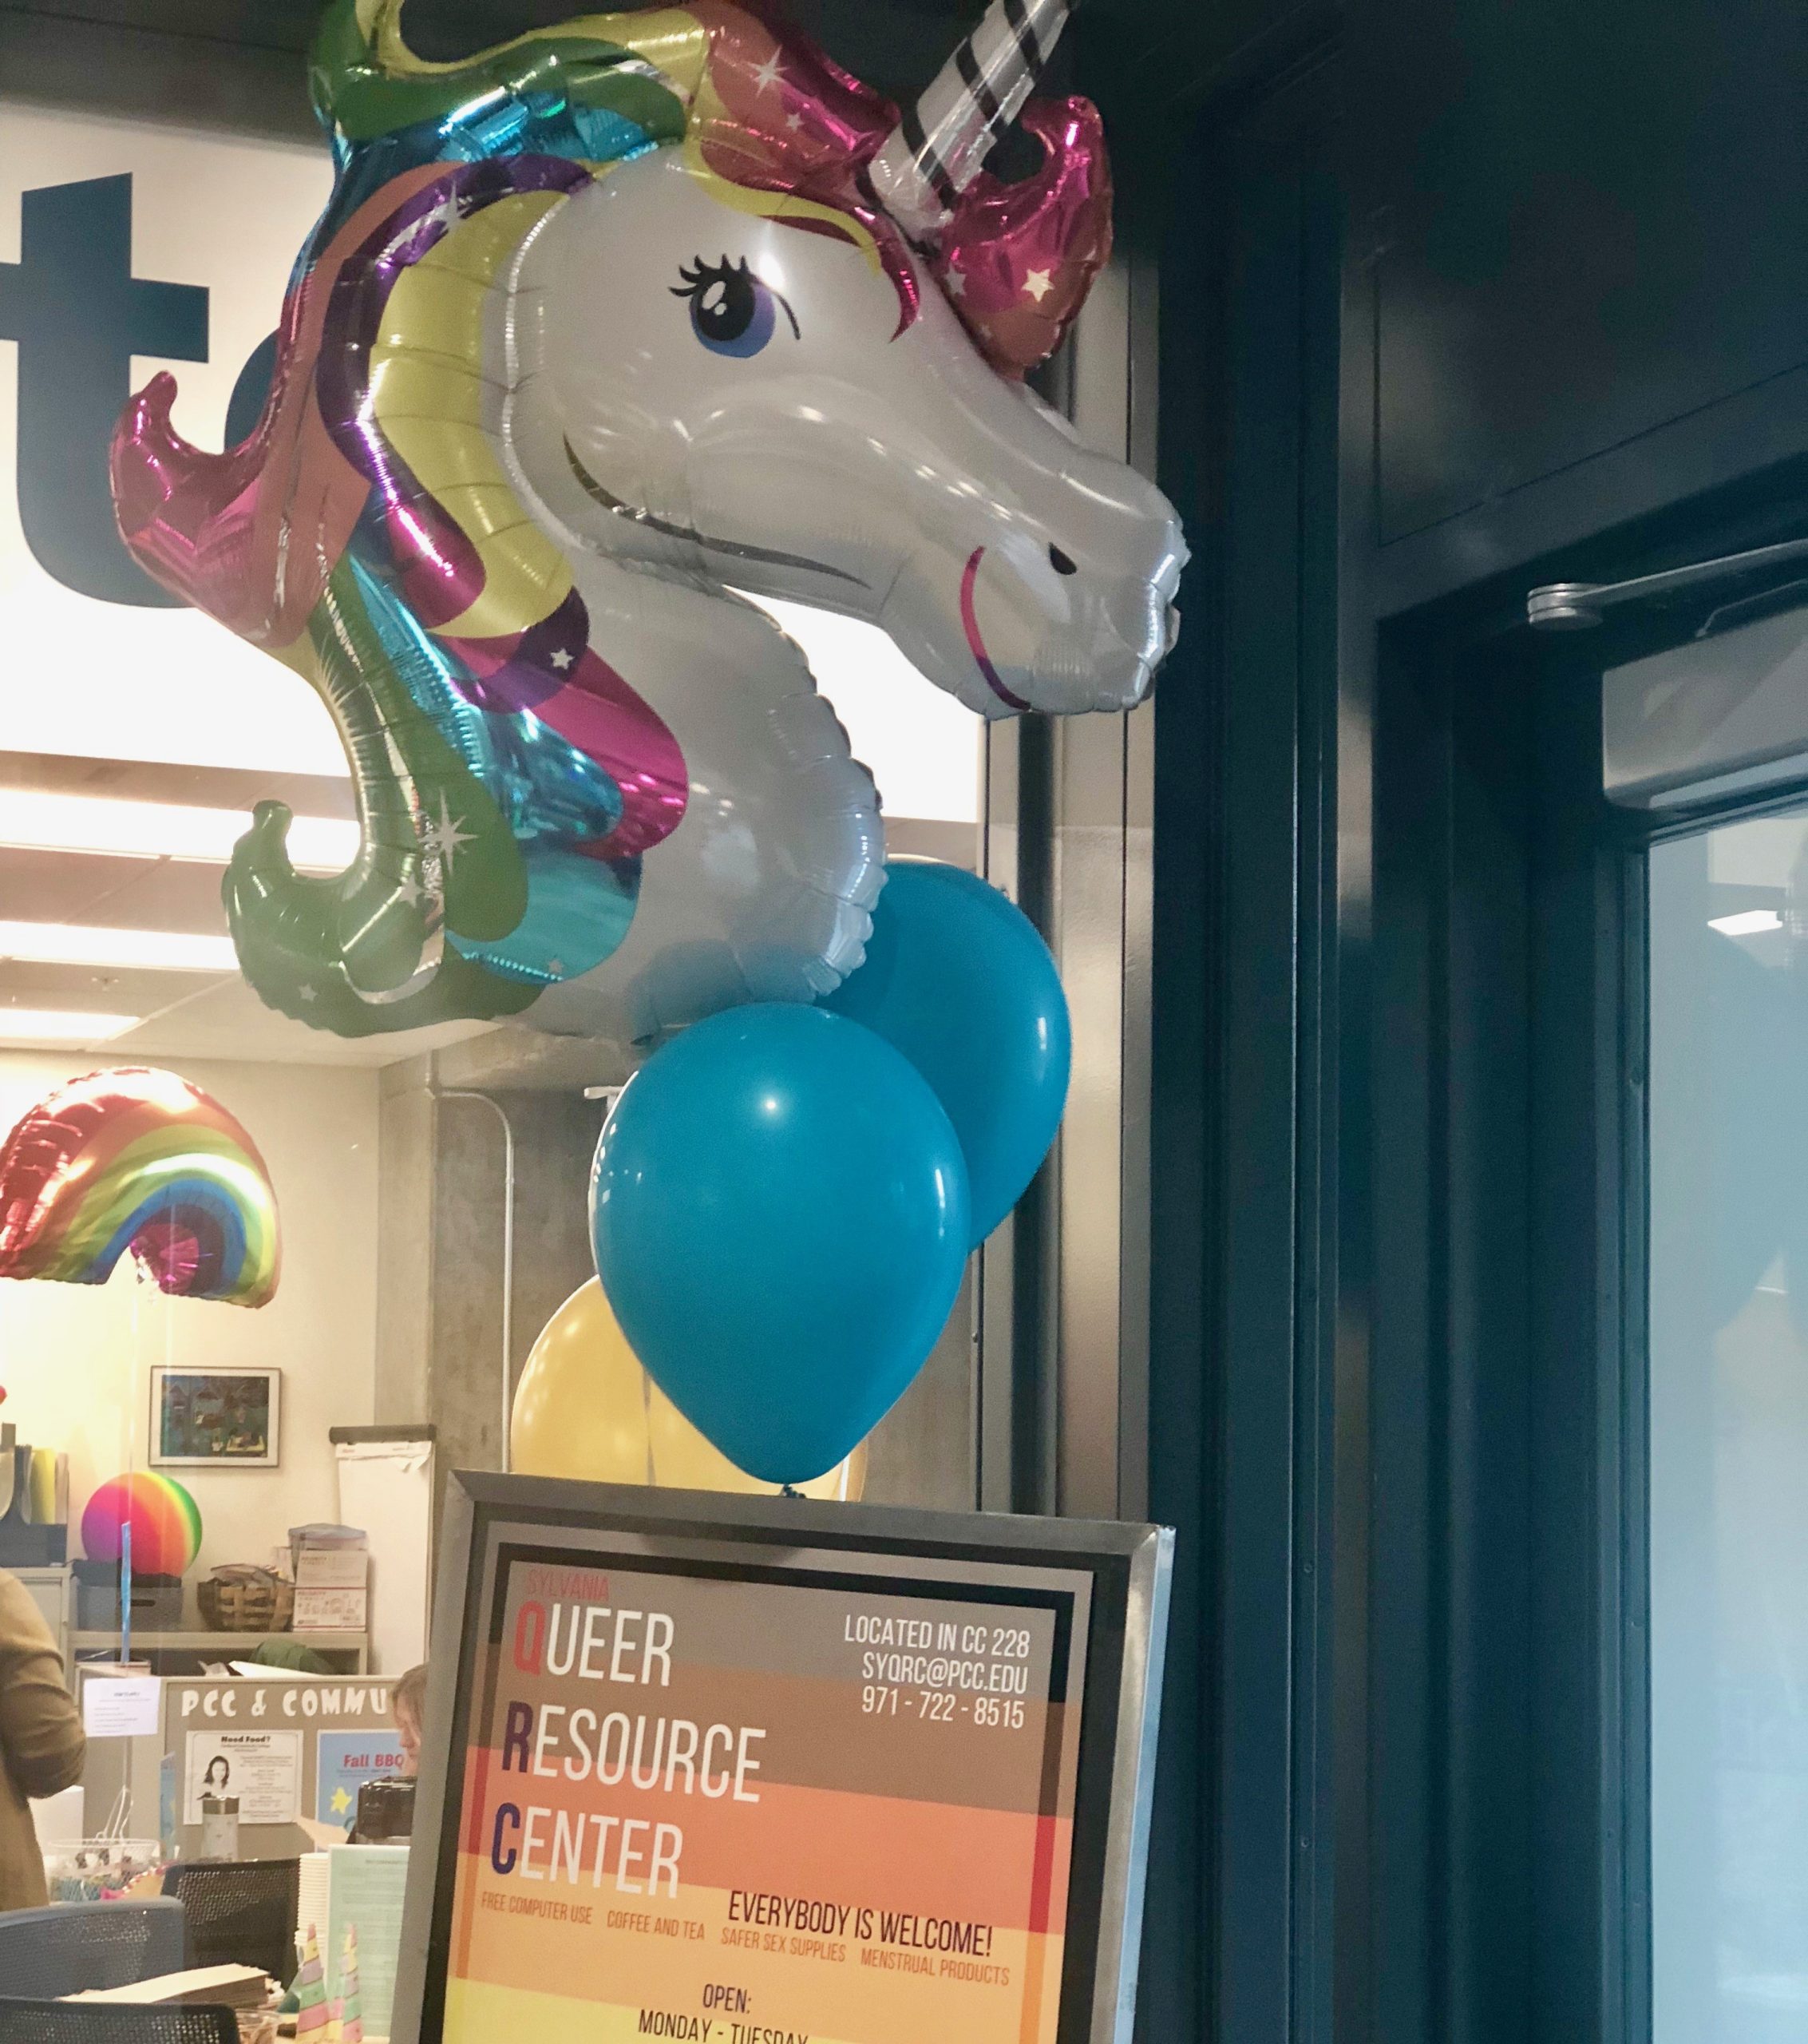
{"x":311,"y":1900}
{"x":239,"y":1988}
{"x":365,"y":1886}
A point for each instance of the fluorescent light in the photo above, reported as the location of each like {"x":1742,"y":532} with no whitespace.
{"x":37,"y":820}
{"x":63,"y":1025}
{"x":145,"y":950}
{"x":1748,"y":922}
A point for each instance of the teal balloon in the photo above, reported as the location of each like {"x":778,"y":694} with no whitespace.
{"x":960,"y":981}
{"x":779,"y":1211}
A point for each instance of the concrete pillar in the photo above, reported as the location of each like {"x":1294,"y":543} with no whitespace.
{"x":439,"y":1261}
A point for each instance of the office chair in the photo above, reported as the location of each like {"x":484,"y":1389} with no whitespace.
{"x":239,"y":1912}
{"x":115,"y":2022}
{"x":76,"y":1945}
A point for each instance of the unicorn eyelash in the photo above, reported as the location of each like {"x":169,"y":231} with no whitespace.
{"x":697,"y":277}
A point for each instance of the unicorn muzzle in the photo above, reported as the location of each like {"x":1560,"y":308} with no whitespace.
{"x":1122,"y":623}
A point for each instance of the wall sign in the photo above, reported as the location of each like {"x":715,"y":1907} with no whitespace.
{"x":770,"y":1769}
{"x":344,"y":1761}
{"x":127,"y":246}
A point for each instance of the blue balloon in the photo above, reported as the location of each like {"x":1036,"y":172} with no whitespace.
{"x":779,"y":1211}
{"x":959,"y":980}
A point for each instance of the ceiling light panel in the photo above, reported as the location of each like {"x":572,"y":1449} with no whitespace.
{"x":36,"y":819}
{"x":61,"y":1025}
{"x":141,"y":950}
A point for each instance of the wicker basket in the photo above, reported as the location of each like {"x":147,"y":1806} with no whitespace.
{"x":237,"y":1597}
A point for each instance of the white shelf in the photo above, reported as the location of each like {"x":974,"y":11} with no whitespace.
{"x":148,"y":1641}
{"x":151,"y":1637}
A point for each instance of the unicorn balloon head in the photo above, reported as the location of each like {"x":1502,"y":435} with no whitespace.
{"x":599,"y":329}
{"x":706,"y":390}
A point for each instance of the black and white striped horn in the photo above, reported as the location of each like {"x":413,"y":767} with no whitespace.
{"x":942,"y":141}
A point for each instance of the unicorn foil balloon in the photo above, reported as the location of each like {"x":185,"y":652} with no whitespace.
{"x":598,"y":328}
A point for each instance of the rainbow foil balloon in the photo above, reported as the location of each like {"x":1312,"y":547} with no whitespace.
{"x":140,"y":1160}
{"x":165,"y":1522}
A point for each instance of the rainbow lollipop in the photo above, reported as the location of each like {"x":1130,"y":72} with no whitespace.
{"x":165,"y":1522}
{"x":141,"y":1160}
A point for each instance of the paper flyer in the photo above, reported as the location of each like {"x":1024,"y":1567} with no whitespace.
{"x":365,"y":1886}
{"x":344,"y":1761}
{"x":834,"y":1807}
{"x":264,"y":1769}
{"x":121,"y":1706}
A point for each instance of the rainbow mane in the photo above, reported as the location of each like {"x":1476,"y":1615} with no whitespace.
{"x":139,"y":1160}
{"x":510,"y":780}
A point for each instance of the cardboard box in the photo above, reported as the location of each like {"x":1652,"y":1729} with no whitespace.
{"x":331,"y":1610}
{"x":332,"y":1568}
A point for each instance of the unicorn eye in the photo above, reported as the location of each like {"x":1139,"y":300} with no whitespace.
{"x":732,"y":311}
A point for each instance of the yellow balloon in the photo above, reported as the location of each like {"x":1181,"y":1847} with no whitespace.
{"x":585,"y":1409}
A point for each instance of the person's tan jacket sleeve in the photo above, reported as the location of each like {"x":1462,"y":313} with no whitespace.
{"x":42,"y":1742}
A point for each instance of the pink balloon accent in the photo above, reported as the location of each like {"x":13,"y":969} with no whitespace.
{"x":970,"y":620}
{"x":251,"y":536}
{"x":594,"y":709}
{"x":1017,"y":260}
{"x":841,"y":126}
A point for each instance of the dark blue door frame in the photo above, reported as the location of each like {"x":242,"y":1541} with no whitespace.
{"x":1255,"y":1360}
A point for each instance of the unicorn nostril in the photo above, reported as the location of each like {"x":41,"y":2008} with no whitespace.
{"x":1062,"y":563}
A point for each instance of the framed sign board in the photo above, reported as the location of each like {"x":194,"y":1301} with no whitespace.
{"x":744,"y":1770}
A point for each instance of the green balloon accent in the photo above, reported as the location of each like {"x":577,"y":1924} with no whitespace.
{"x":355,"y":95}
{"x":355,"y":953}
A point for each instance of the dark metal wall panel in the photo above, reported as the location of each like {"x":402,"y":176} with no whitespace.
{"x":239,"y":63}
{"x":1584,"y":231}
{"x":102,"y":67}
{"x":895,"y":44}
{"x":1145,"y":59}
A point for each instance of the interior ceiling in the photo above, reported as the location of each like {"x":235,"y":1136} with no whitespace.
{"x":895,"y":44}
{"x":185,"y":1014}
{"x":207,"y":1015}
{"x":1143,"y":52}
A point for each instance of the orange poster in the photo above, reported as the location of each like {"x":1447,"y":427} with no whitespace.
{"x":747,"y":1805}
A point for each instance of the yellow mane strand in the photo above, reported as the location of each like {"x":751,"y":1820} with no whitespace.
{"x":428,"y":389}
{"x":673,"y":42}
{"x":707,"y":109}
{"x":431,"y":398}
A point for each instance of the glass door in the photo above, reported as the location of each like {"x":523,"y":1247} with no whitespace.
{"x":1728,"y":1431}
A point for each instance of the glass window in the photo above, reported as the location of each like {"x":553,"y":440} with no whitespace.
{"x":1729,"y":1434}
{"x":137,"y":736}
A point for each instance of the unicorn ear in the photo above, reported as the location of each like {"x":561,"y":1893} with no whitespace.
{"x":1016,"y":261}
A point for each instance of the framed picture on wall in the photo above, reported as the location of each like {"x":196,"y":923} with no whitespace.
{"x":211,"y":1418}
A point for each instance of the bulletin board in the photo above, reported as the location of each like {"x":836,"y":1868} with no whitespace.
{"x":286,"y":1746}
